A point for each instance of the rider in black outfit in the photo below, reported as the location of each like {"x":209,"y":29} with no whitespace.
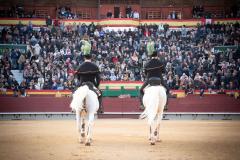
{"x":89,"y":74}
{"x":153,"y":70}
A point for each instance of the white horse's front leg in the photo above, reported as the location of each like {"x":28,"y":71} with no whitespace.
{"x":89,"y":129}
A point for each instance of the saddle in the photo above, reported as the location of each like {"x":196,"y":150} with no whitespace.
{"x":154,"y":81}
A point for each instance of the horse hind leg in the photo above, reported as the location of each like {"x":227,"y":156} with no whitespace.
{"x":89,"y":129}
{"x":152,"y":137}
{"x":159,"y":120}
{"x":82,"y":131}
{"x":83,"y":114}
{"x":152,"y":133}
{"x":79,"y":125}
{"x":81,"y":128}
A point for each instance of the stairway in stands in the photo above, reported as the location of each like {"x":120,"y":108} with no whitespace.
{"x":17,"y":75}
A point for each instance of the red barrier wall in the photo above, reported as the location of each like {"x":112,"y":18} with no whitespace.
{"x":192,"y":103}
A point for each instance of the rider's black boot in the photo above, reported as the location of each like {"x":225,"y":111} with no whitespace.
{"x":100,"y":110}
{"x":141,"y":107}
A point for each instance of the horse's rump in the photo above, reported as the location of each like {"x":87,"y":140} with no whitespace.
{"x":154,"y":100}
{"x":78,"y":97}
{"x":92,"y":87}
{"x":91,"y":99}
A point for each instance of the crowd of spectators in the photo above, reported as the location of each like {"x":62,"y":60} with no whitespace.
{"x":132,"y":14}
{"x":64,"y":12}
{"x":129,"y":14}
{"x":54,"y":54}
{"x":174,"y":15}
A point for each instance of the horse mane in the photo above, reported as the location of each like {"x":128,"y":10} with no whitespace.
{"x":78,"y":97}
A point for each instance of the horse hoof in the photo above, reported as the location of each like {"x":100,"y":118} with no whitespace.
{"x":152,"y":143}
{"x":88,"y":144}
{"x":82,"y":134}
{"x":80,"y":140}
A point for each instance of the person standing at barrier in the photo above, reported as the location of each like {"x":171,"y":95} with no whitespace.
{"x":153,"y":71}
{"x":88,"y":73}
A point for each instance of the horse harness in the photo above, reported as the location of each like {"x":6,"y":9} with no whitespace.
{"x":154,"y":81}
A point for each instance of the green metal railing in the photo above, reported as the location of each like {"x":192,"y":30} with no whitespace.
{"x":122,"y":91}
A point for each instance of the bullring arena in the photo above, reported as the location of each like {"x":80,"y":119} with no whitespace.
{"x":44,"y":42}
{"x":120,"y":139}
{"x":47,"y":130}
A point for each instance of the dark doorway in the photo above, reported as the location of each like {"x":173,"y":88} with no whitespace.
{"x":116,"y":12}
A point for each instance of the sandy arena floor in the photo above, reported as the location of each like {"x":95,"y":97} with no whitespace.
{"x":120,"y":139}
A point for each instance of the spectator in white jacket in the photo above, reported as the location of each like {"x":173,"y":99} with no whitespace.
{"x":36,"y":49}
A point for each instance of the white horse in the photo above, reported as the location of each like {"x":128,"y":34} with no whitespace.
{"x":85,"y":102}
{"x":154,"y":100}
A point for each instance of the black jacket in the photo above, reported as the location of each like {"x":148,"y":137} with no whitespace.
{"x":154,"y":68}
{"x":89,"y":72}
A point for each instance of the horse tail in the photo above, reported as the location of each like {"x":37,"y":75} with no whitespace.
{"x":151,"y":106}
{"x":78,"y":97}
